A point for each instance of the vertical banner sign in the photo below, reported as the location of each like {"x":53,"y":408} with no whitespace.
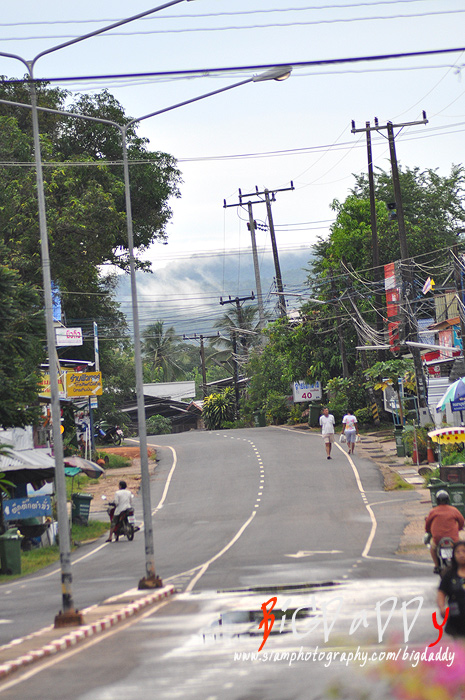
{"x":392,"y":282}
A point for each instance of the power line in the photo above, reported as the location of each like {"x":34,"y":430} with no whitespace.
{"x":210,"y":72}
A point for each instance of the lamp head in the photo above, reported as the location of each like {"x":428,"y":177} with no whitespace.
{"x":281,"y":73}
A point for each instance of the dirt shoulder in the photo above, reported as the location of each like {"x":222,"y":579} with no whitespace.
{"x":107,"y":485}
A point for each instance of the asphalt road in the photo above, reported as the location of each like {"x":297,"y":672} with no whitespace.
{"x":248,"y":515}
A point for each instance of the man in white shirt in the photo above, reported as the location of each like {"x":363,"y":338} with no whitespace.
{"x":327,"y":430}
{"x":123,"y":500}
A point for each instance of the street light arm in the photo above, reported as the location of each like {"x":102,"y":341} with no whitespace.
{"x":188,"y":102}
{"x":97,"y":32}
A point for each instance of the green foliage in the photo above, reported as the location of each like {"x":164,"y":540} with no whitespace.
{"x":21,"y":346}
{"x":158,"y":425}
{"x":235,"y":424}
{"x":161,"y":348}
{"x":408,"y":434}
{"x":218,"y":409}
{"x":295,"y":413}
{"x":277,"y":408}
{"x":112,"y":460}
{"x":453,"y":457}
{"x":433,"y":211}
{"x":364,"y":415}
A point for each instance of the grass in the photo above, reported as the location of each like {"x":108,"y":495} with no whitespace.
{"x":399,"y":484}
{"x":114,"y":461}
{"x":36,"y":559}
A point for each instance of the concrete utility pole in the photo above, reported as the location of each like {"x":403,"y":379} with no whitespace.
{"x":459,"y":289}
{"x":264,"y":197}
{"x":411,"y":325}
{"x":234,"y":332}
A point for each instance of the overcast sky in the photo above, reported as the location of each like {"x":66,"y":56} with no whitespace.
{"x":295,"y":130}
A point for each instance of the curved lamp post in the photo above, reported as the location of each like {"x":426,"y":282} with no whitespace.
{"x":68,"y":615}
{"x":150,"y":579}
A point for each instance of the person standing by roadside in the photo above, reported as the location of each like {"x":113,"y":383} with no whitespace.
{"x":350,"y":430}
{"x":327,"y":424}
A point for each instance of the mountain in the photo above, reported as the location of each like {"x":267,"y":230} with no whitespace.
{"x":186,"y":293}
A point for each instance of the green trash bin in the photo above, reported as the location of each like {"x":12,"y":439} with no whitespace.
{"x":259,"y":419}
{"x":80,"y":507}
{"x":314,"y":413}
{"x":456,"y":493}
{"x":400,"y":447}
{"x":10,"y":552}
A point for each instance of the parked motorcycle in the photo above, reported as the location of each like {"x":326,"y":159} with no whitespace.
{"x":105,"y":434}
{"x":126,"y":524}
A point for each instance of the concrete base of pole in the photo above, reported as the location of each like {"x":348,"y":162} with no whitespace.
{"x":150,"y":582}
{"x":71,"y":618}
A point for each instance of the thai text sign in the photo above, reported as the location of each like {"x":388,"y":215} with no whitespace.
{"x":45,"y":386}
{"x":302,"y":391}
{"x":68,"y":336}
{"x":20,"y":508}
{"x":83,"y":384}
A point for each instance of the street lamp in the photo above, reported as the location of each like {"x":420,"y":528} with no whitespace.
{"x":151,"y":579}
{"x":68,"y":615}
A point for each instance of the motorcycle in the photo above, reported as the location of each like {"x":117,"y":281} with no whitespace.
{"x":443,"y":551}
{"x":126,"y":524}
{"x":105,"y":434}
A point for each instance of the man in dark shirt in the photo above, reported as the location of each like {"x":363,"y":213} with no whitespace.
{"x":443,"y":521}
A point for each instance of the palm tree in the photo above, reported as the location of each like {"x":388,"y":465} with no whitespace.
{"x":159,"y":348}
{"x":244,"y":323}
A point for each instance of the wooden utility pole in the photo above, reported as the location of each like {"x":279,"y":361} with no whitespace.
{"x":234,"y":332}
{"x":411,"y":324}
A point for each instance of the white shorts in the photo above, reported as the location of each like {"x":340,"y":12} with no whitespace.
{"x":328,"y":437}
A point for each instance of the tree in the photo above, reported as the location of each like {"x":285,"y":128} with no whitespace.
{"x":21,"y":346}
{"x":86,"y":215}
{"x":160,"y":348}
{"x":218,"y":409}
{"x":244,"y":322}
{"x":383,"y":374}
{"x":434,"y":212}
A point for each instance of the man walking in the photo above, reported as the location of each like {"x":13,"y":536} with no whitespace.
{"x":327,"y":430}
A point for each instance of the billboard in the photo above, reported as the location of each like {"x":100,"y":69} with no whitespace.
{"x":83,"y":384}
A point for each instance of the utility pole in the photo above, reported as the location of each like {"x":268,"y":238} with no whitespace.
{"x":202,"y":356}
{"x":234,"y":331}
{"x":459,"y":289}
{"x":261,"y":197}
{"x":411,"y":325}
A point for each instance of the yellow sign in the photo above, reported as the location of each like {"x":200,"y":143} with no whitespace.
{"x":83,"y":384}
{"x":45,"y":386}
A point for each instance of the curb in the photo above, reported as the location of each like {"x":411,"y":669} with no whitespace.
{"x":84,"y":632}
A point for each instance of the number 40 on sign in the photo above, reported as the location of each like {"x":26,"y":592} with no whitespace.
{"x":302,"y":391}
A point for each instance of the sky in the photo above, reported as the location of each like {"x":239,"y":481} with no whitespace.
{"x":262,"y":134}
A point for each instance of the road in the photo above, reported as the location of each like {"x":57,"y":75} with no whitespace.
{"x":242,"y":517}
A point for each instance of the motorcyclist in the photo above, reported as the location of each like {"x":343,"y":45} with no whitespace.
{"x":123,"y":501}
{"x":443,"y":521}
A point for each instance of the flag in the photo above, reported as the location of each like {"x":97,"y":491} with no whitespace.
{"x":428,"y":286}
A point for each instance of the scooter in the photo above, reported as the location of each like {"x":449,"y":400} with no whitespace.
{"x":108,"y":434}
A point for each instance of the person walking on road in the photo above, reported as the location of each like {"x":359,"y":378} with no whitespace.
{"x":327,"y":424}
{"x":350,"y":430}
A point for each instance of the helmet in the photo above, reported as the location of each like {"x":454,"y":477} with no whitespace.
{"x":442,"y":497}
